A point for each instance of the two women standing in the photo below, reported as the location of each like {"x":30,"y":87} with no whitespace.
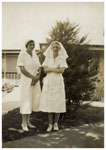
{"x":52,"y":98}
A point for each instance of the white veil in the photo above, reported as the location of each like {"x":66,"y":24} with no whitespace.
{"x":62,"y":52}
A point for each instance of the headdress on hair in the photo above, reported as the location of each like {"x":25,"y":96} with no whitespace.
{"x":24,"y":50}
{"x":62,"y":52}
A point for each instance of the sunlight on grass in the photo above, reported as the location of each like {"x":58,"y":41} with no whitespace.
{"x":43,"y":135}
{"x":97,"y":104}
{"x":76,"y":129}
{"x":56,"y":138}
{"x":48,"y":144}
{"x":82,"y":132}
{"x":55,"y":133}
{"x":100,"y":125}
{"x":13,"y":129}
{"x":85,"y":125}
{"x":61,"y":134}
{"x":68,"y":129}
{"x":90,"y":134}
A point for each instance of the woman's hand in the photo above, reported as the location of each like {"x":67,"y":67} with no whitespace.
{"x":39,"y":72}
{"x":37,"y":75}
{"x":58,"y":70}
{"x":35,"y":79}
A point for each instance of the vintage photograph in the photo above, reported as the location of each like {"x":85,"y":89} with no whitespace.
{"x":53,"y":74}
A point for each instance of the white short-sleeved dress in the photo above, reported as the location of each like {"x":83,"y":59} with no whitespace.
{"x":53,"y":92}
{"x":30,"y":95}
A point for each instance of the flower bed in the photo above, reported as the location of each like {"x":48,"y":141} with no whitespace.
{"x":7,"y":88}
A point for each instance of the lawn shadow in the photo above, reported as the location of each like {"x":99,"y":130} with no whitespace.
{"x":83,"y":136}
{"x":11,"y":122}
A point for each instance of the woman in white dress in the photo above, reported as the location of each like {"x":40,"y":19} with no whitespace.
{"x":53,"y":92}
{"x":29,"y":66}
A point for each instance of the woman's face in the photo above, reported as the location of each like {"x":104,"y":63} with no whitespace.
{"x":31,"y":46}
{"x":55,"y":47}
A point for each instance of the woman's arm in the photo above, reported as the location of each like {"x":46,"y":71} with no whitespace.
{"x":55,"y":70}
{"x":47,"y":70}
{"x":26,"y":73}
{"x":59,"y":70}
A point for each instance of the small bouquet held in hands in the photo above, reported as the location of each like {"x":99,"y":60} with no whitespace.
{"x":36,"y":78}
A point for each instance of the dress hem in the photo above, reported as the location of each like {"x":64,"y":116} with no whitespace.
{"x":53,"y":111}
{"x":25,"y":113}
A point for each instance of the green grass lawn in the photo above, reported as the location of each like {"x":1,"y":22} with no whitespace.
{"x":11,"y":122}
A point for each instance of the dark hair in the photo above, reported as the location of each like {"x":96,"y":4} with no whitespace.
{"x":30,"y":41}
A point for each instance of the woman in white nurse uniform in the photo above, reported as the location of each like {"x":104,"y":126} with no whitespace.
{"x":29,"y":83}
{"x":53,"y":92}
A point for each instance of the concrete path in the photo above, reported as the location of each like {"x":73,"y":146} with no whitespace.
{"x":11,"y":100}
{"x":12,"y":96}
{"x":85,"y":136}
{"x":94,"y":103}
